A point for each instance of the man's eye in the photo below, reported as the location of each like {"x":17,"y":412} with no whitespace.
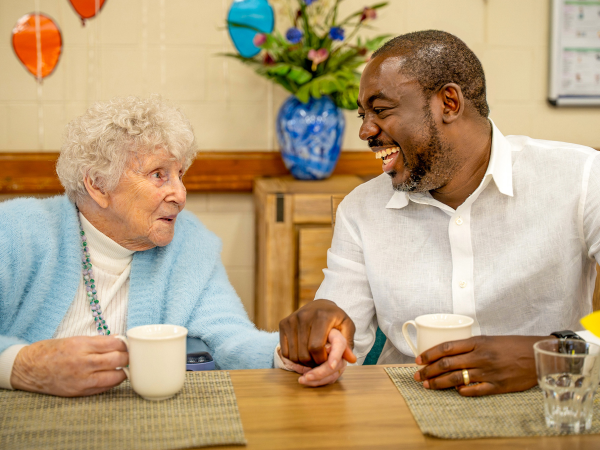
{"x":379,"y":111}
{"x":156,"y":175}
{"x":361,"y":116}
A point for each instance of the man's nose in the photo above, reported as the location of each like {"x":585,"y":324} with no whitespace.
{"x":368,"y":130}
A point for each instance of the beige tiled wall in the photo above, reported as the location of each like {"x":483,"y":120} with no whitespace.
{"x":121,"y":52}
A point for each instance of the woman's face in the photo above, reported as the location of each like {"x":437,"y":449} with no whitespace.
{"x":146,"y":202}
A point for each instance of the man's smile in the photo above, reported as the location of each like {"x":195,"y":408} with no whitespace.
{"x":389,"y":156}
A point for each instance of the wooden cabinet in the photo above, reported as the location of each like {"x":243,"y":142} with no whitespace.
{"x":293,"y":234}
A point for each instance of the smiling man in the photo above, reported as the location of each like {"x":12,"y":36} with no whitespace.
{"x":505,"y":230}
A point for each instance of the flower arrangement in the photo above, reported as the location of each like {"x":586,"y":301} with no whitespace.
{"x":316,"y":56}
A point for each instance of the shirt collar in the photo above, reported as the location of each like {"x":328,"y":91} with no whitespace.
{"x":499,"y":168}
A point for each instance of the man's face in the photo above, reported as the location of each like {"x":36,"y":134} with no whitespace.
{"x":402,"y":129}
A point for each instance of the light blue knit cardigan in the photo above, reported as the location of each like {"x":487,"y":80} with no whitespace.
{"x":183,"y":283}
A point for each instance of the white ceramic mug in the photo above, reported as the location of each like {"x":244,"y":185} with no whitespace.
{"x":156,"y":360}
{"x":434,"y":329}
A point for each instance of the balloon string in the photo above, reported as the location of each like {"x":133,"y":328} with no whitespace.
{"x":163,"y":35}
{"x":97,"y":32}
{"x":38,"y":49}
{"x":225,"y":63}
{"x":144,"y":44}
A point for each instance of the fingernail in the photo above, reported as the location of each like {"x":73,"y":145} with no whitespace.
{"x":426,"y":384}
{"x":301,"y":380}
{"x":418,"y":360}
{"x":333,"y":365}
{"x":309,"y":377}
{"x":418,"y":376}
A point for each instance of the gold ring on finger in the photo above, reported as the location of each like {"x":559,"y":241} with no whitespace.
{"x":466,"y":378}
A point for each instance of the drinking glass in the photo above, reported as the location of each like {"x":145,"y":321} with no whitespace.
{"x":568,"y":371}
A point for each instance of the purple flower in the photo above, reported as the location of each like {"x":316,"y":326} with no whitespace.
{"x":294,"y":35}
{"x":368,"y":14}
{"x":259,"y":39}
{"x":309,"y":2}
{"x":336,"y":33}
{"x":317,"y":57}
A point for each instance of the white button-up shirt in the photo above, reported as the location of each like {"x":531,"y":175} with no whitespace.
{"x":517,"y":256}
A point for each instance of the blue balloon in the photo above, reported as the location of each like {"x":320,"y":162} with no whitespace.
{"x":257,"y":14}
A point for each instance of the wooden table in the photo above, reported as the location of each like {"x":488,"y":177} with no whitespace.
{"x":363,"y":410}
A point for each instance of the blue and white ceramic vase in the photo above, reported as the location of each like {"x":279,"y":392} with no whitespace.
{"x":310,"y":136}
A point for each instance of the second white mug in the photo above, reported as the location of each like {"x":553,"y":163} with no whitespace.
{"x":434,"y":329}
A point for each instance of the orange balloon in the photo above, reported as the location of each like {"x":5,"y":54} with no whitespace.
{"x":87,"y":8}
{"x":24,"y":41}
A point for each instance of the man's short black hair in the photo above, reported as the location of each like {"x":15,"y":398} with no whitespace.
{"x":436,"y":58}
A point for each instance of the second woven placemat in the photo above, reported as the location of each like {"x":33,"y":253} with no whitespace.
{"x":204,"y":413}
{"x":446,"y":414}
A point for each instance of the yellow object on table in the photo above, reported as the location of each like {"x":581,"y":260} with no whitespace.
{"x":591,"y":322}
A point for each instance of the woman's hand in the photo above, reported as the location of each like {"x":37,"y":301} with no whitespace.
{"x":70,"y":367}
{"x":303,"y":335}
{"x":330,"y":370}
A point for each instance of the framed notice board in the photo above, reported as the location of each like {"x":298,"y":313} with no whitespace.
{"x":575,"y":53}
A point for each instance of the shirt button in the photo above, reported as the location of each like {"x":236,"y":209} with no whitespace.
{"x":459,"y":221}
{"x":462,"y":284}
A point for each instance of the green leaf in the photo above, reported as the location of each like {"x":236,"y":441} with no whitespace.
{"x":279,"y":69}
{"x":299,"y":75}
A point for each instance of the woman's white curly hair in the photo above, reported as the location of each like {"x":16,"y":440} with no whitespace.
{"x":100,"y":143}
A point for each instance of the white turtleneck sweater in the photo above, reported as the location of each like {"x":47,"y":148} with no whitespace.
{"x":111,"y":264}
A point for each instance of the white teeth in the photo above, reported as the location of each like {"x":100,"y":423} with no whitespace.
{"x":386,"y":161}
{"x":386,"y":152}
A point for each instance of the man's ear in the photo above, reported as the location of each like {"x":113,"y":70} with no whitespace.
{"x":453,"y":102}
{"x":97,"y":193}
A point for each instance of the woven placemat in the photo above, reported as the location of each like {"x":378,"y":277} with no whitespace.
{"x":446,"y":414}
{"x":203,"y":413}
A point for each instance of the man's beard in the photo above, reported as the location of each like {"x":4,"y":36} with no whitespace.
{"x":434,"y":165}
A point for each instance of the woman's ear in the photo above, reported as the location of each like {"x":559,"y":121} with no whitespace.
{"x":96,"y":192}
{"x":453,"y":102}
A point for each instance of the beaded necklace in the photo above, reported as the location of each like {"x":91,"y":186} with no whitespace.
{"x":90,"y":287}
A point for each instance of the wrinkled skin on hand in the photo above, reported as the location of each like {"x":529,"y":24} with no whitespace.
{"x":303,"y":334}
{"x":70,"y":367}
{"x":497,"y":364}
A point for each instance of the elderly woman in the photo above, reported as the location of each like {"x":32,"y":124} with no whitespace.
{"x":118,"y":251}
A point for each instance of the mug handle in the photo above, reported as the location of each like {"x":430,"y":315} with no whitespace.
{"x":124,"y":339}
{"x":407,"y":338}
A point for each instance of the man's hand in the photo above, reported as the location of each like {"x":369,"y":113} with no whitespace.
{"x":330,"y":370}
{"x":303,"y":334}
{"x":70,"y":367}
{"x":498,"y":364}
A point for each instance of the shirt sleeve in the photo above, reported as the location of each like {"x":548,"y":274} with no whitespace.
{"x":591,"y":210}
{"x":347,"y":285}
{"x":7,"y":360}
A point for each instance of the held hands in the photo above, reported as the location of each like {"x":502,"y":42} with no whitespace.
{"x":330,"y":370}
{"x":70,"y":367}
{"x":498,"y":364}
{"x":318,"y":334}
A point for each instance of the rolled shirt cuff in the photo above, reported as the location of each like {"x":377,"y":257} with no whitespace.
{"x":7,"y":360}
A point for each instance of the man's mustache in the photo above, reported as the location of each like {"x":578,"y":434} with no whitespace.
{"x":379,"y":143}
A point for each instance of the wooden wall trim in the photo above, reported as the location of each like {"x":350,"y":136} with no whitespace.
{"x":35,"y":172}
